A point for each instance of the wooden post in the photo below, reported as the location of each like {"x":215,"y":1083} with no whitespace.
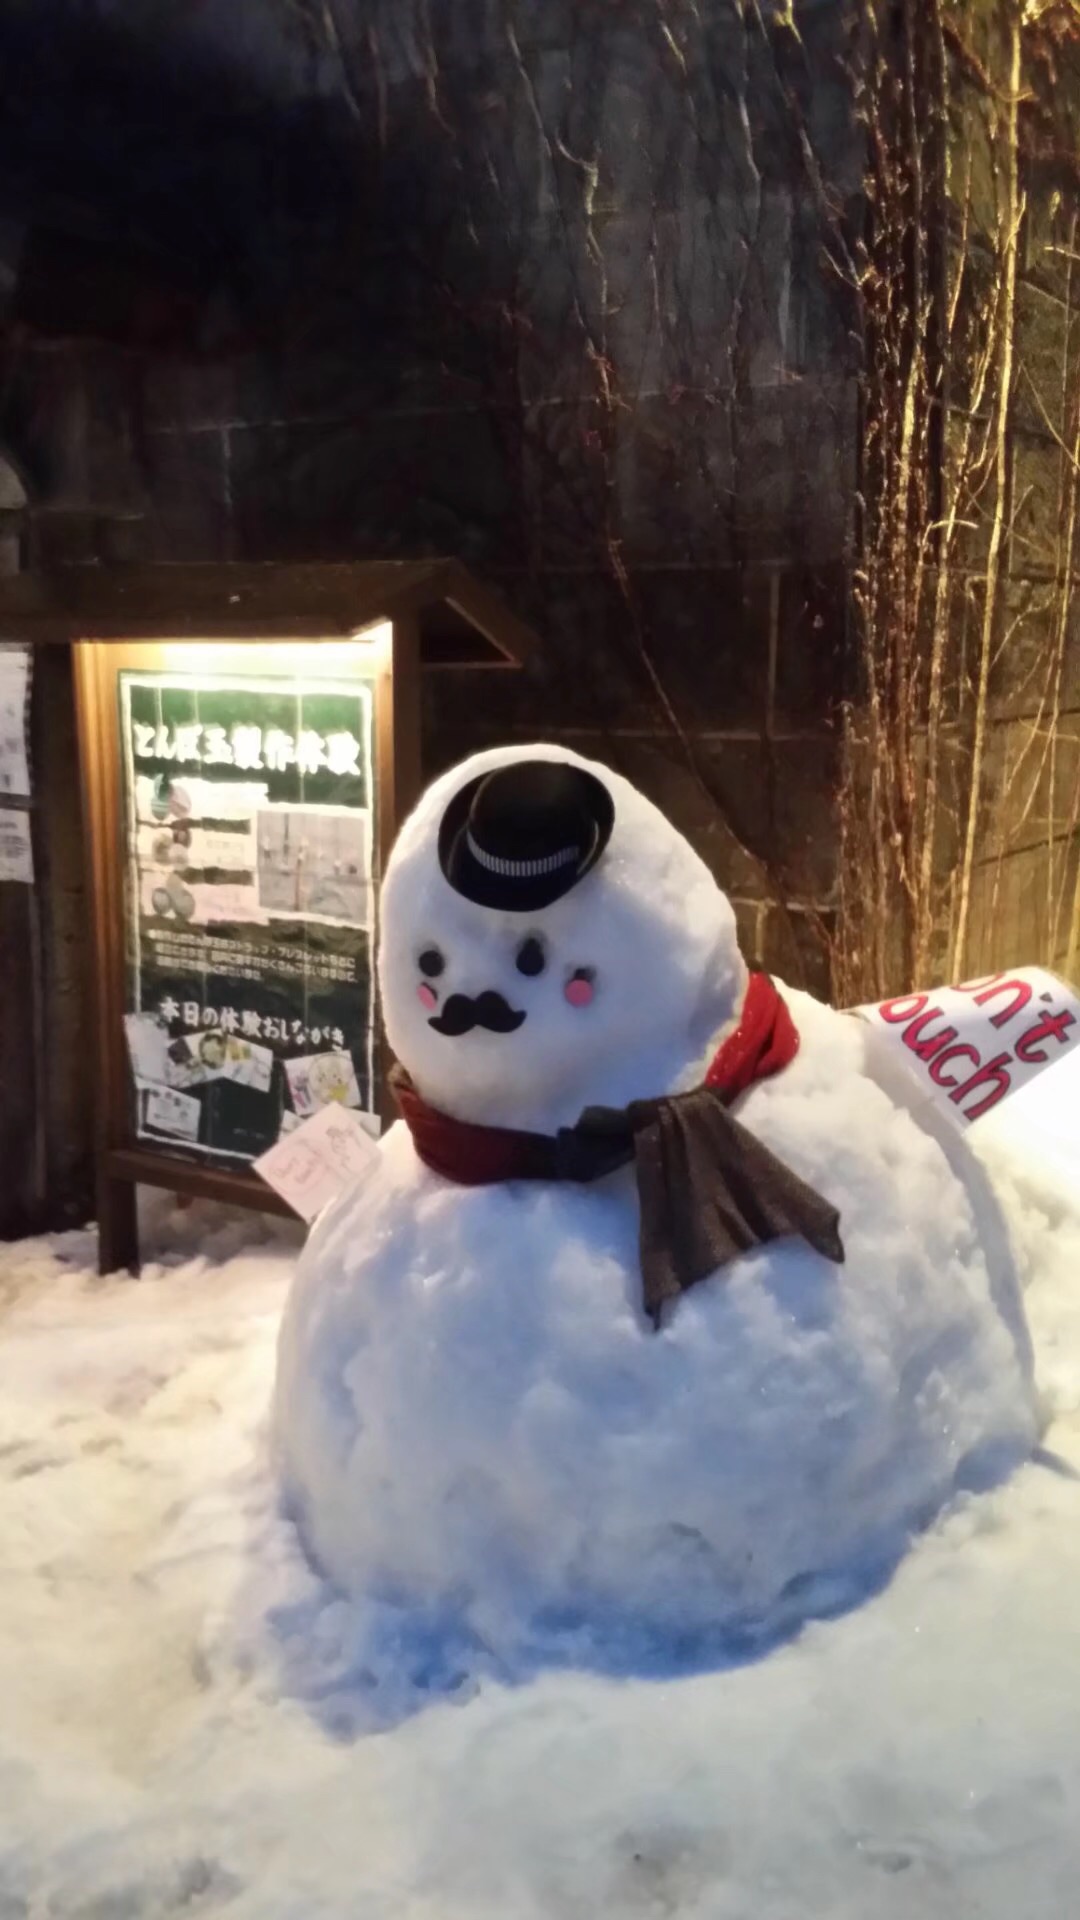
{"x":21,"y":1091}
{"x":397,"y":733}
{"x":398,"y":785}
{"x":66,"y":1104}
{"x":118,"y":1236}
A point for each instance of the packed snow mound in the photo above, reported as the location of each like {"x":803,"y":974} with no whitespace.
{"x":208,"y":1758}
{"x":474,"y":1416}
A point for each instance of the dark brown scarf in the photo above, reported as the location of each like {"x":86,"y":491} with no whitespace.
{"x":708,"y":1189}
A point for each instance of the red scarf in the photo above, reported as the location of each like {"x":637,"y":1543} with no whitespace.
{"x":708,"y":1189}
{"x":764,"y":1041}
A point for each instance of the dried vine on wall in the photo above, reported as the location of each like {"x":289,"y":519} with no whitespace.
{"x":632,"y":223}
{"x":961,"y":782}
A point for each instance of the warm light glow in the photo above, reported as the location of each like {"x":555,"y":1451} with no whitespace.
{"x":294,"y":659}
{"x":1040,"y":1122}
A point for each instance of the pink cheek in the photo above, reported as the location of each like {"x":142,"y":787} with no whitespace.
{"x":579,"y":992}
{"x":427,"y":996}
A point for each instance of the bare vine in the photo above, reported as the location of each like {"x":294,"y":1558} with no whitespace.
{"x":955,"y":815}
{"x":602,"y":301}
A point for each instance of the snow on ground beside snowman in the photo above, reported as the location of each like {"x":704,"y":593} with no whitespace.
{"x":476,"y":1420}
{"x":185,"y":1724}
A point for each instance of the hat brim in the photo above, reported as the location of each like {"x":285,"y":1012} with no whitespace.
{"x":518,"y":893}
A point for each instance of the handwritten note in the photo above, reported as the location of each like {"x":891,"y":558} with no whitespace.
{"x":971,"y":1046}
{"x":314,"y":1163}
{"x":172,"y":1112}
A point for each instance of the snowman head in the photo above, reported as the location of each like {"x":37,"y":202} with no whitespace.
{"x":549,"y":942}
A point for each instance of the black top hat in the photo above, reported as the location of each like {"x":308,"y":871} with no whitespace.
{"x":522,"y":836}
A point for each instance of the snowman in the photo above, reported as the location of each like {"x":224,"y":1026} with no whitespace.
{"x":666,"y":1317}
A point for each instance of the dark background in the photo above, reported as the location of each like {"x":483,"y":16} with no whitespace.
{"x":556,"y":286}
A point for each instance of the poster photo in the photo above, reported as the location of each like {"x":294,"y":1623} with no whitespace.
{"x":248,"y":808}
{"x":322,"y":1080}
{"x":316,"y":863}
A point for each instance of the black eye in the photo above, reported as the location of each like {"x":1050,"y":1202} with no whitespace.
{"x":431,"y":962}
{"x":530,"y":957}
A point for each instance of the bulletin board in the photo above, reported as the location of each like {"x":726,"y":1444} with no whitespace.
{"x":239,"y":800}
{"x":248,"y":739}
{"x":249,"y":831}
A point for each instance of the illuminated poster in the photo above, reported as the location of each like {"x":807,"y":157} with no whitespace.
{"x":249,"y":829}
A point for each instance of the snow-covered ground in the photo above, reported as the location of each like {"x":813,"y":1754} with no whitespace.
{"x":190,"y":1724}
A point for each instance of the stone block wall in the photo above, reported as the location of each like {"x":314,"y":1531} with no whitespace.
{"x":559,"y":290}
{"x":559,"y":287}
{"x":569,"y":317}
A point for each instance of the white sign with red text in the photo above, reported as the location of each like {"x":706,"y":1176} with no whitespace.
{"x":973,"y":1045}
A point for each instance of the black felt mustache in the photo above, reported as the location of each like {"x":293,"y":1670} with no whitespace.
{"x":461,"y":1014}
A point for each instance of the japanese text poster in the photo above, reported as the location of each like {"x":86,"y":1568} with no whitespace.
{"x":249,"y":828}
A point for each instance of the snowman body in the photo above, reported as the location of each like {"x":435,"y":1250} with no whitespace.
{"x":473,"y":1412}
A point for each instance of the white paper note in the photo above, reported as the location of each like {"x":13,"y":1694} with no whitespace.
{"x":14,"y":687}
{"x":312,"y":1165}
{"x":16,"y":850}
{"x":172,"y":1112}
{"x":148,"y":1048}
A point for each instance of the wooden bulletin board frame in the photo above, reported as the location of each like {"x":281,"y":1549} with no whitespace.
{"x":122,"y":1161}
{"x":435,"y":616}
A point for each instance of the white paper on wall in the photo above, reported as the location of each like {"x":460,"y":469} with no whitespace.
{"x":16,"y":847}
{"x":14,"y":716}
